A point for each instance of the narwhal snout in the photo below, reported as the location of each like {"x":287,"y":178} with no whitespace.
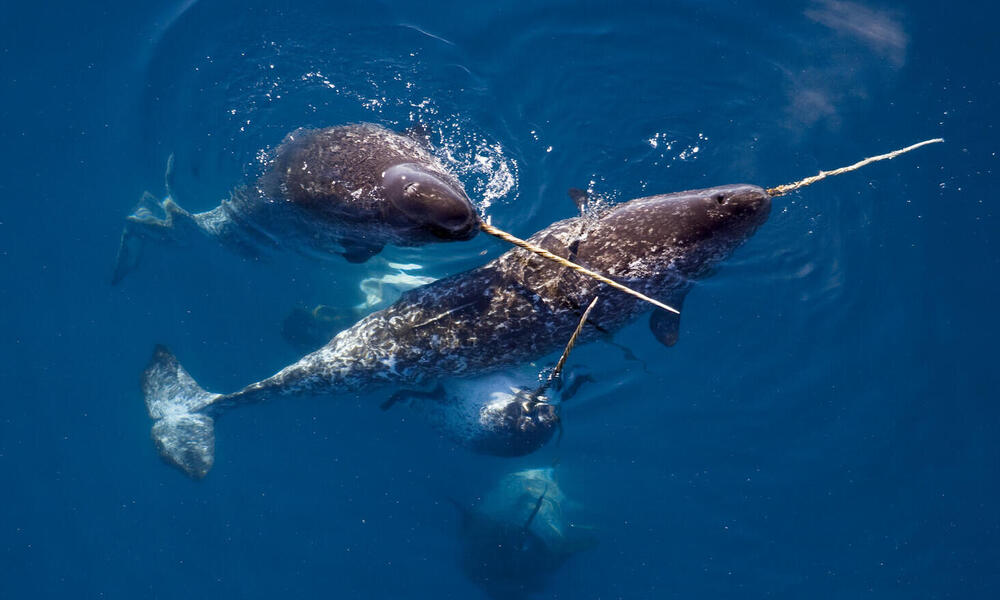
{"x":518,"y":428}
{"x":453,"y":218}
{"x":427,"y":201}
{"x":745,"y":201}
{"x":741,"y":206}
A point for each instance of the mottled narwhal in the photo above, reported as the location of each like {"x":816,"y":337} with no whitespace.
{"x":510,"y":311}
{"x":498,"y":414}
{"x":347,"y":190}
{"x":511,"y":413}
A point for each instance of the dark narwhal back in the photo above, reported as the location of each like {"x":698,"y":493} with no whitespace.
{"x":688,"y":229}
{"x":347,"y":190}
{"x":365,"y":174}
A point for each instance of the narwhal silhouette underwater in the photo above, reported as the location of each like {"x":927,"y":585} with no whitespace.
{"x":520,"y":533}
{"x":306,"y":329}
{"x":512,"y":310}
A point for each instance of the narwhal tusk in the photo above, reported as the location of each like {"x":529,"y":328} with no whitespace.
{"x":572,"y":340}
{"x":774,"y":192}
{"x":503,"y":235}
{"x":781,"y":190}
{"x":557,"y":371}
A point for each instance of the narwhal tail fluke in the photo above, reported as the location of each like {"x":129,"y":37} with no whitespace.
{"x":184,"y":436}
{"x":152,"y":220}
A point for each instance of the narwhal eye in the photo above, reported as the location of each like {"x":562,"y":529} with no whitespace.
{"x":720,"y":198}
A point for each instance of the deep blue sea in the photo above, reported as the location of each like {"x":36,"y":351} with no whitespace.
{"x":827,"y":426}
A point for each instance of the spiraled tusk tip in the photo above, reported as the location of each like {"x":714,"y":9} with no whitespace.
{"x":665,"y":307}
{"x":781,"y":190}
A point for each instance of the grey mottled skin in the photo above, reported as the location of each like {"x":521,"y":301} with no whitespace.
{"x":499,"y":414}
{"x":519,"y":307}
{"x":512,"y":310}
{"x":346,"y":190}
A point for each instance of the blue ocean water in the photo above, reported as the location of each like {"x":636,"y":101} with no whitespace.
{"x":827,"y":425}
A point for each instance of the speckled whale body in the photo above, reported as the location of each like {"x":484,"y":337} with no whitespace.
{"x":498,"y":414}
{"x":517,"y":307}
{"x":347,"y":190}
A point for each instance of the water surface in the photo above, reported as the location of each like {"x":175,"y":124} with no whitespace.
{"x":826,"y":426}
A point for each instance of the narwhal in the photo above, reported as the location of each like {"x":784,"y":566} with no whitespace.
{"x":347,"y":190}
{"x":510,"y":311}
{"x":520,"y":533}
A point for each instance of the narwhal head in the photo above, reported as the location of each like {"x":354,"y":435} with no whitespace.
{"x":431,"y":206}
{"x":685,"y":232}
{"x":317,"y":170}
{"x":514,"y":424}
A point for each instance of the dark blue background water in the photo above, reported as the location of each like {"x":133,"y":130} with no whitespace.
{"x":826,"y":427}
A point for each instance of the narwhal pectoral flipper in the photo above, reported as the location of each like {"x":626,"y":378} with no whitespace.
{"x":184,"y":436}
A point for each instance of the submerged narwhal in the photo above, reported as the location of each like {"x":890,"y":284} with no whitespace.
{"x":347,"y":190}
{"x":515,"y":309}
{"x":497,"y":414}
{"x":519,"y":534}
{"x":511,"y":413}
